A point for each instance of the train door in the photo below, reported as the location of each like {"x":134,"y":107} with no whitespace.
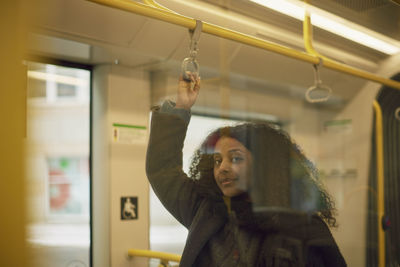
{"x":58,"y":164}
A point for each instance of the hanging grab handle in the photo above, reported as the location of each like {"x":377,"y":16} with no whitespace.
{"x":195,"y":35}
{"x":323,"y":91}
{"x":190,"y":64}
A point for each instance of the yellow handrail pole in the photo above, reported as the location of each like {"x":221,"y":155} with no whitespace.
{"x":209,"y":28}
{"x":361,"y":74}
{"x":166,"y":257}
{"x":308,"y":35}
{"x":329,"y":63}
{"x":380,"y":181}
{"x":148,"y":2}
{"x":157,"y":5}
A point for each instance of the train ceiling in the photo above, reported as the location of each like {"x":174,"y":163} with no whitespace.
{"x":86,"y":32}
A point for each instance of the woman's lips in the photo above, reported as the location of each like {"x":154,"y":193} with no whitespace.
{"x":227,"y":181}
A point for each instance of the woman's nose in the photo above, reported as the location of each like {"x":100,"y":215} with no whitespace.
{"x":225,"y":166}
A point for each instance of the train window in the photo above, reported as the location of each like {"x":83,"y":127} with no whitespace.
{"x":52,"y":83}
{"x":58,"y":101}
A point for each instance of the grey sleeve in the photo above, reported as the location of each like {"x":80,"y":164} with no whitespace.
{"x":176,"y":191}
{"x":169,"y":107}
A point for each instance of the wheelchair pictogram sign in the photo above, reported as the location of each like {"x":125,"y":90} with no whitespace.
{"x":129,"y":208}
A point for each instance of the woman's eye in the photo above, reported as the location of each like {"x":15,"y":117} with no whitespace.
{"x":217,"y":161}
{"x":236,"y":159}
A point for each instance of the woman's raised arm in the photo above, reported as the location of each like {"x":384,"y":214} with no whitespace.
{"x":164,"y":154}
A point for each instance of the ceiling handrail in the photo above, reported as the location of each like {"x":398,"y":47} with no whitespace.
{"x":157,"y":5}
{"x":187,"y":22}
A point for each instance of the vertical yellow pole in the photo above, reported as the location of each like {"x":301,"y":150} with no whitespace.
{"x":12,"y":133}
{"x":308,"y":35}
{"x":380,"y":182}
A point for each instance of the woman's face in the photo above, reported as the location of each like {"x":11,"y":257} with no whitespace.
{"x":232,"y":166}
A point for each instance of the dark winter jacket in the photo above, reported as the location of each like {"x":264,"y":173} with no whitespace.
{"x":229,"y":237}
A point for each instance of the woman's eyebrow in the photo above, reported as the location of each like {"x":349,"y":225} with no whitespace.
{"x":236,"y":150}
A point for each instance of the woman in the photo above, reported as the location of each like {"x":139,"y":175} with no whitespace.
{"x":252,"y":198}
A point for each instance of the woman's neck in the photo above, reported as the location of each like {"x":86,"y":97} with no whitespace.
{"x":227,"y":201}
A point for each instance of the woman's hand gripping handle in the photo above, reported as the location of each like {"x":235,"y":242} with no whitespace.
{"x":188,"y":91}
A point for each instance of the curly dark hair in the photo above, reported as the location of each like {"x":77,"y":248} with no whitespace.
{"x":282,"y":175}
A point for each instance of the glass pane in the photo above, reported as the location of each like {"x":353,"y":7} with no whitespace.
{"x":58,"y":165}
{"x":294,"y":202}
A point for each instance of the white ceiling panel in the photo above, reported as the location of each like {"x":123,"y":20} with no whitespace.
{"x":89,"y":20}
{"x":159,"y":38}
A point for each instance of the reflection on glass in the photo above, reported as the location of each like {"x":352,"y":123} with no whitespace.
{"x":58,"y":165}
